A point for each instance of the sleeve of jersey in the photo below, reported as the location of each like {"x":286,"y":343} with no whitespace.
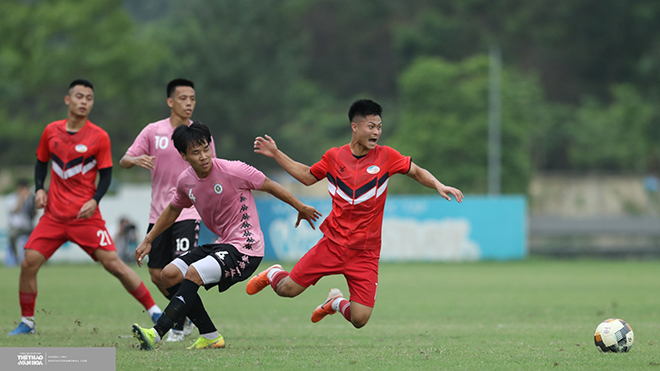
{"x":250,"y":177}
{"x":400,"y":164}
{"x":140,"y":145}
{"x":320,"y":169}
{"x":43,"y":152}
{"x":180,"y":198}
{"x":104,"y":155}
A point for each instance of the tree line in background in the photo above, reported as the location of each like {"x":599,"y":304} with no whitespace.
{"x":580,"y":83}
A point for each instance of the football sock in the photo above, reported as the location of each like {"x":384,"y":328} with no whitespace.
{"x":27,"y":301}
{"x":172,"y":290}
{"x":157,"y":338}
{"x":276,"y":277}
{"x":343,"y":306}
{"x":178,"y":307}
{"x":142,"y":294}
{"x":211,"y":335}
{"x":170,"y":294}
{"x":198,"y":315}
{"x":272,"y":272}
{"x":28,"y":321}
{"x":154,"y":309}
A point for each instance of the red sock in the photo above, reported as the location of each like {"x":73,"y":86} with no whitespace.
{"x":27,"y":300}
{"x":142,"y":294}
{"x":345,"y":309}
{"x":277,"y":278}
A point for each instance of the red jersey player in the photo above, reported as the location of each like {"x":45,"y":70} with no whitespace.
{"x":78,"y":150}
{"x":358,"y":174}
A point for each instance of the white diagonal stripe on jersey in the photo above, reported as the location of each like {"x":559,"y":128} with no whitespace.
{"x":332,"y":189}
{"x":89,"y":166}
{"x":344,"y":196}
{"x":57,"y":169}
{"x":72,"y":171}
{"x":382,"y":188}
{"x":366,"y":196}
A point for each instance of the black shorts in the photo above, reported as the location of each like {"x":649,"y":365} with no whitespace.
{"x":236,"y":266}
{"x":176,"y":240}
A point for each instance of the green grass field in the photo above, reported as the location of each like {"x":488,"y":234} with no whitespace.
{"x":534,"y":314}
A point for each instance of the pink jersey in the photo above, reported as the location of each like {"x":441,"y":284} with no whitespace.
{"x":225,"y":202}
{"x":156,"y":140}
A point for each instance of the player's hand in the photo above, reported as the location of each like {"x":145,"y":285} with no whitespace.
{"x":445,"y":191}
{"x":87,"y":209}
{"x":40,"y":199}
{"x":141,"y":251}
{"x":310,"y":214}
{"x":145,"y":161}
{"x":266,"y":146}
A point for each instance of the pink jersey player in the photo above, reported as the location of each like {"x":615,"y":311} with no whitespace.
{"x":221,"y":191}
{"x":153,"y":150}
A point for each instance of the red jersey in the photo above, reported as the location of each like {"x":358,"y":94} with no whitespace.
{"x":358,"y":187}
{"x":76,"y":160}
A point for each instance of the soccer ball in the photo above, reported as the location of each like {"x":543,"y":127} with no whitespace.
{"x":614,"y":335}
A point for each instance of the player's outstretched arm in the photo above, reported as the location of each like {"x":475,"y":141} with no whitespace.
{"x":425,"y":178}
{"x":144,"y":161}
{"x":306,"y":212}
{"x":266,"y":146}
{"x":165,"y":220}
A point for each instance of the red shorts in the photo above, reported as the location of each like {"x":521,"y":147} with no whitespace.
{"x":49,"y":235}
{"x":360,"y":267}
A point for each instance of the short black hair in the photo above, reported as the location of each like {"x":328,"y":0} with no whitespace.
{"x":172,"y":85}
{"x":196,"y":133}
{"x":22,"y":182}
{"x":82,"y":82}
{"x":364,"y":108}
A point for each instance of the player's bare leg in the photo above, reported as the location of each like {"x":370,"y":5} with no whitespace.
{"x":360,"y":314}
{"x":27,"y":290}
{"x":288,"y":288}
{"x":155,"y":274}
{"x":131,"y":281}
{"x":170,"y":276}
{"x":32,"y":261}
{"x":278,"y":279}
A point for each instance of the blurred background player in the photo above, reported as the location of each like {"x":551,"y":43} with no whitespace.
{"x":126,"y":240}
{"x":358,"y":174}
{"x":221,"y":190}
{"x":21,"y":218}
{"x":153,"y":150}
{"x":78,"y":150}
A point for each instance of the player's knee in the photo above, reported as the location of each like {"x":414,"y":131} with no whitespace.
{"x":193,"y":275}
{"x":289,"y":289}
{"x":156,"y":279}
{"x":31,"y":262}
{"x":170,"y":276}
{"x":359,"y":321}
{"x":360,"y":315}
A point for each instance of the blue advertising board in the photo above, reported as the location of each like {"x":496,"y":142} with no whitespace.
{"x":415,"y":228}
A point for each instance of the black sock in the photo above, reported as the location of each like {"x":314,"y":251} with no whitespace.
{"x":170,"y":294}
{"x":184,"y":298}
{"x":172,"y":290}
{"x":200,"y":317}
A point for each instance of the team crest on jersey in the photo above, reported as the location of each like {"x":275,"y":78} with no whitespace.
{"x":217,"y":187}
{"x":81,"y":148}
{"x":373,"y":169}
